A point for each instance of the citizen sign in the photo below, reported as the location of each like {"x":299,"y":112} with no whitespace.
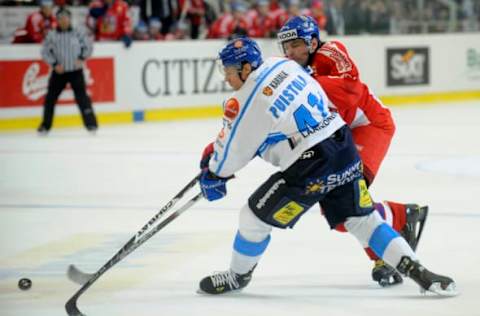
{"x":408,"y":66}
{"x":287,"y":35}
{"x":184,"y":76}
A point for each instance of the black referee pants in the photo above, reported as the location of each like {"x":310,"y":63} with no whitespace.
{"x":56,"y":84}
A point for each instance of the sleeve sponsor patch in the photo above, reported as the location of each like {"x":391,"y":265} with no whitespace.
{"x":232,"y":108}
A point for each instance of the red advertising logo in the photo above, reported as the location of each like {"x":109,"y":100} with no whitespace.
{"x":24,"y":83}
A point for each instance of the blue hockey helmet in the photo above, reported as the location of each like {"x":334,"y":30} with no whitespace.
{"x":303,"y":27}
{"x":240,"y":51}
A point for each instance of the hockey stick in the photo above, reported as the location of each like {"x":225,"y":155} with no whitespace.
{"x":79,"y":277}
{"x":71,"y":305}
{"x":141,"y":237}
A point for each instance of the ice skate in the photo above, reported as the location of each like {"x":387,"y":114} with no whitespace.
{"x":92,"y":130}
{"x":428,"y":281}
{"x":224,"y":282}
{"x":385,"y":275}
{"x":42,"y":130}
{"x":416,"y":218}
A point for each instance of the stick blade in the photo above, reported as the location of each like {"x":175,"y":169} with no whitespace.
{"x":78,"y":276}
{"x":72,"y":309}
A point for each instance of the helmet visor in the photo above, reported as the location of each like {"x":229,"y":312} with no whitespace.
{"x":226,"y":69}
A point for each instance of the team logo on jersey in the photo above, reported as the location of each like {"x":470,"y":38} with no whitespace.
{"x":267,"y":91}
{"x":342,"y":61}
{"x":232,"y":108}
{"x":315,"y":186}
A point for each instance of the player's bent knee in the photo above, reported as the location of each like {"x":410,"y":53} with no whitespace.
{"x":272,"y":203}
{"x":251,"y":227}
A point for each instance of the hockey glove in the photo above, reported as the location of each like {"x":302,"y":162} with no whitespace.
{"x":206,"y":155}
{"x":213,"y":187}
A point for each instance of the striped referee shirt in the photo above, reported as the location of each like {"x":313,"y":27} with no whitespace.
{"x":65,"y":47}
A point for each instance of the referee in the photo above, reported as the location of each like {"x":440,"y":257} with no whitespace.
{"x":66,"y":49}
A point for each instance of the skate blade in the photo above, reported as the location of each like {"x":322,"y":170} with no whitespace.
{"x":436,"y":288}
{"x":232,"y":292}
{"x":389,"y":283}
{"x":201,"y":292}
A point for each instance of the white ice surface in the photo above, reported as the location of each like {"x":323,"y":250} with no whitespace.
{"x":75,"y":198}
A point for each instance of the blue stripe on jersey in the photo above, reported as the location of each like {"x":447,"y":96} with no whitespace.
{"x":272,"y":139}
{"x":244,"y":109}
{"x":381,"y":238}
{"x":248,"y":248}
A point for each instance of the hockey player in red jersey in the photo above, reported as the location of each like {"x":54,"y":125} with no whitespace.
{"x":38,"y":24}
{"x":371,"y":123}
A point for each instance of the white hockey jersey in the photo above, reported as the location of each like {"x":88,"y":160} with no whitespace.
{"x":278,"y":113}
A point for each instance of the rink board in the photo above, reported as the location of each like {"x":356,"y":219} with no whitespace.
{"x":154,"y":81}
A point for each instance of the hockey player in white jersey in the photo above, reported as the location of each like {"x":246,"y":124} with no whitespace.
{"x":279,"y":113}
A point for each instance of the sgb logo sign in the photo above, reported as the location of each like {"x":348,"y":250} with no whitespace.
{"x":408,"y":66}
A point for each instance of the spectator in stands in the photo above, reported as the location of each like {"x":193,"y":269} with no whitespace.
{"x":278,"y":14}
{"x":397,"y":18}
{"x":239,"y":24}
{"x":140,"y":33}
{"x":211,"y":14}
{"x":318,"y":14}
{"x":195,"y":12}
{"x":379,"y":21}
{"x":110,"y":20}
{"x":293,"y":8}
{"x":38,"y":24}
{"x":260,"y":21}
{"x":154,"y":27}
{"x":168,"y":12}
{"x":230,"y":23}
{"x":356,"y":17}
{"x":335,"y":18}
{"x":218,"y":29}
{"x":469,"y":15}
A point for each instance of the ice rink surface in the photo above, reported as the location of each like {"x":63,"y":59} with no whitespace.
{"x":72,"y":197}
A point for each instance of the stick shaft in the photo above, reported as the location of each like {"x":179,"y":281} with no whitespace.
{"x":138,"y":239}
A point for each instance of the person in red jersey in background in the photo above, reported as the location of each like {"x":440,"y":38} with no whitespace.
{"x":110,"y":20}
{"x":261,"y":22}
{"x":231,"y":22}
{"x":195,"y":12}
{"x":371,"y":123}
{"x":317,"y":12}
{"x":38,"y":24}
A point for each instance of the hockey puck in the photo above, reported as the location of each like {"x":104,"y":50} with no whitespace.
{"x":24,"y":284}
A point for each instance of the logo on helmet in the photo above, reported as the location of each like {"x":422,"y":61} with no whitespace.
{"x":238,"y":44}
{"x":287,"y":35}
